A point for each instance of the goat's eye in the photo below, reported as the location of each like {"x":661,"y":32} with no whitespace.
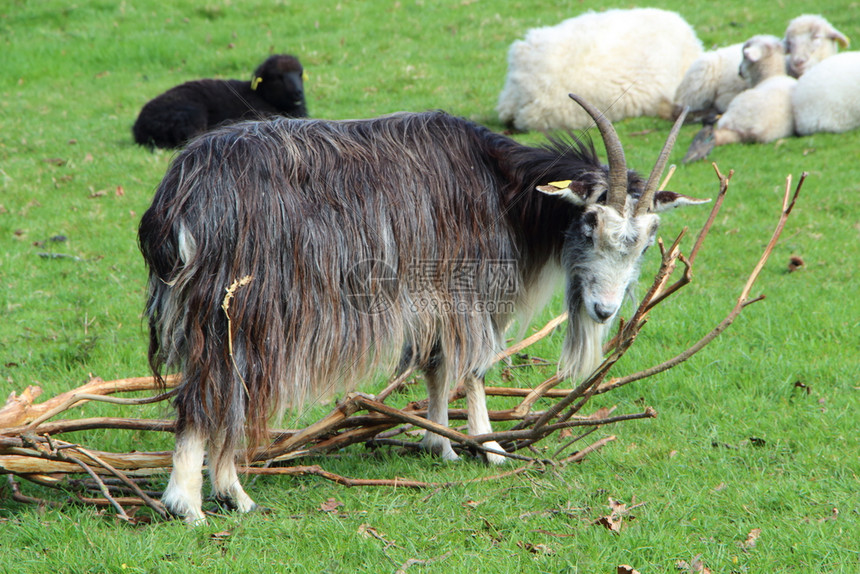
{"x":589,"y":223}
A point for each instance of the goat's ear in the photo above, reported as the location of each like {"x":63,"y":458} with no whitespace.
{"x":666,"y":200}
{"x":573,"y":191}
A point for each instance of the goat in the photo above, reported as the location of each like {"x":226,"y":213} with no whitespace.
{"x":411,"y":231}
{"x":182,"y":112}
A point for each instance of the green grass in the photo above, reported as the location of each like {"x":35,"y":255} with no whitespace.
{"x":74,"y":76}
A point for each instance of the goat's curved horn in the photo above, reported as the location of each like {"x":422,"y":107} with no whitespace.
{"x":646,"y":200}
{"x":617,"y":195}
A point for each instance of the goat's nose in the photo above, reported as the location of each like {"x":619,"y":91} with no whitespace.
{"x":603,"y":313}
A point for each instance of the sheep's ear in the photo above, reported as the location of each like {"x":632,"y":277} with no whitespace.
{"x":666,"y":200}
{"x":572,"y":191}
{"x":753,"y":53}
{"x":256,"y":82}
{"x":840,"y":38}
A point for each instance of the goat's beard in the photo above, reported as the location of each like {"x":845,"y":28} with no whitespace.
{"x":582,"y":352}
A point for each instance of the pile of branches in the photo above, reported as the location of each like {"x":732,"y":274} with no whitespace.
{"x":30,"y":447}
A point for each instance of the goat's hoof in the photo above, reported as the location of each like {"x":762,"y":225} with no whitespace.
{"x":493,"y":458}
{"x":226,"y":503}
{"x":438,"y":446}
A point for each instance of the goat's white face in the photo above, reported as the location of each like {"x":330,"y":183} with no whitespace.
{"x":603,"y":249}
{"x":603,"y":258}
{"x":605,"y":240}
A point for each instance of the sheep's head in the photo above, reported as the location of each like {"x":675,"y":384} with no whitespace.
{"x":605,"y":243}
{"x":280,"y":81}
{"x":764,"y":57}
{"x":808,"y":40}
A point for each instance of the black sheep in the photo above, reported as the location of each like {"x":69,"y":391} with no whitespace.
{"x":187,"y":110}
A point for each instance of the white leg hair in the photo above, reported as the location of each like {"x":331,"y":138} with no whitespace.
{"x":437,"y":411}
{"x":183,"y":495}
{"x":479,"y":418}
{"x":225,"y":480}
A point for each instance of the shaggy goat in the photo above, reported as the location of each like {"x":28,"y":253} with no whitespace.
{"x":760,"y":114}
{"x":192,"y":108}
{"x":626,"y":62}
{"x":808,"y":40}
{"x":825,"y":98}
{"x":339,"y":241}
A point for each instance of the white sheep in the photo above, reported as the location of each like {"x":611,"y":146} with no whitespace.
{"x":809,"y":39}
{"x":827,"y":97}
{"x":625,"y":62}
{"x":711,"y":82}
{"x":760,"y":114}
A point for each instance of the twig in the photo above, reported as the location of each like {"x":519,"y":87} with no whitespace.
{"x":18,"y":496}
{"x":531,"y":340}
{"x":225,"y":306}
{"x":104,"y":489}
{"x":577,"y":457}
{"x":155,"y":505}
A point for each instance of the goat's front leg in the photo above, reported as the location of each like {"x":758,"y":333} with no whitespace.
{"x":479,"y":418}
{"x":437,"y":412}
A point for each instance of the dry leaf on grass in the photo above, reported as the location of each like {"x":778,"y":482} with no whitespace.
{"x":330,"y":505}
{"x":601,"y":413}
{"x":618,"y":510}
{"x":626,"y":569}
{"x":413,"y":561}
{"x":751,"y":540}
{"x":794,"y":263}
{"x":610,"y":522}
{"x":695,"y":567}
{"x":535,"y":548}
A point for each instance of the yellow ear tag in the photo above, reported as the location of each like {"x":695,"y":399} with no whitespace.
{"x":305,"y":76}
{"x":560,"y":184}
{"x":256,"y":82}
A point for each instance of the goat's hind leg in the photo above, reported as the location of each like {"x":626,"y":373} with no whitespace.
{"x":184,"y":493}
{"x":225,"y":479}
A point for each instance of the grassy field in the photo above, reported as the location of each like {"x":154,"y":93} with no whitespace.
{"x":73,"y":77}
